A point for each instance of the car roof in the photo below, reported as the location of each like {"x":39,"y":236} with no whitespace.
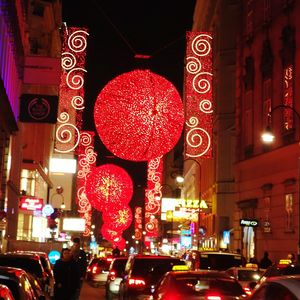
{"x":219,"y":253}
{"x":11,"y":271}
{"x":215,"y":274}
{"x":138,"y":256}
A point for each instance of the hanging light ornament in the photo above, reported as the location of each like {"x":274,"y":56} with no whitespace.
{"x":139,"y":115}
{"x":110,"y":234}
{"x":120,"y":243}
{"x":108,"y":187}
{"x":119,"y":219}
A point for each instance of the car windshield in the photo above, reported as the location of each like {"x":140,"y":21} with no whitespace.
{"x":289,"y":270}
{"x":103,"y":264}
{"x":154,"y":268}
{"x":119,"y":266}
{"x":221,"y":262}
{"x":248,"y":275}
{"x":198,"y":285}
{"x":30,"y":265}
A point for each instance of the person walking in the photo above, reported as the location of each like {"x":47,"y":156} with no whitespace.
{"x":116,"y":252}
{"x":265,"y":262}
{"x":80,"y":258}
{"x":66,"y":277}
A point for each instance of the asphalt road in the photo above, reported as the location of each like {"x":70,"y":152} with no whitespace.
{"x":91,"y":293}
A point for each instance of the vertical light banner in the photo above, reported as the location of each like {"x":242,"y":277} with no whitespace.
{"x":153,"y":199}
{"x":71,"y":90}
{"x":68,"y":137}
{"x":138,"y":222}
{"x":85,"y":162}
{"x":198,"y":95}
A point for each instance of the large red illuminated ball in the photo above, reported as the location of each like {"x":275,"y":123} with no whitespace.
{"x":118,"y":219}
{"x":139,"y":115}
{"x":108,"y":187}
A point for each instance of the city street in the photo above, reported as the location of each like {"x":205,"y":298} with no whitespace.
{"x":92,"y":293}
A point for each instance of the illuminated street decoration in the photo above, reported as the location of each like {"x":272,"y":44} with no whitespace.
{"x":138,"y":223}
{"x":198,"y":95}
{"x":86,"y":161}
{"x":109,"y":187}
{"x":139,"y":115}
{"x":152,"y":202}
{"x":71,"y":102}
{"x":119,"y":219}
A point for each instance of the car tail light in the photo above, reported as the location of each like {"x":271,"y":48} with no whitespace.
{"x":171,"y":296}
{"x":94,"y":269}
{"x":136,"y":282}
{"x":213,"y":297}
{"x":247,"y":291}
{"x":112,"y":275}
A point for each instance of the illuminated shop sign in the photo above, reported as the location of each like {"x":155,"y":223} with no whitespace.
{"x":31,"y":203}
{"x":249,"y":222}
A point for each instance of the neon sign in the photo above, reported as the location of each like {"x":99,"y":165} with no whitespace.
{"x":31,"y":203}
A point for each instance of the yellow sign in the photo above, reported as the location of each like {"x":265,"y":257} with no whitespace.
{"x":180,"y":268}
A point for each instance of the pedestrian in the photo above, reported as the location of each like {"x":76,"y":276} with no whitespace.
{"x":66,"y":277}
{"x":243,"y":259}
{"x":116,"y":252}
{"x":291,"y":256}
{"x":265,"y":262}
{"x":80,"y":258}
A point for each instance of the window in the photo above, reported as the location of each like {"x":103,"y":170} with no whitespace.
{"x":249,"y":18}
{"x":289,"y":212}
{"x":267,"y":11}
{"x":248,"y":127}
{"x":267,"y":102}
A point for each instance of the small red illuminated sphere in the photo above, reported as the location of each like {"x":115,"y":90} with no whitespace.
{"x":109,"y":233}
{"x":121,"y":243}
{"x":139,"y":115}
{"x":118,"y":219}
{"x":108,"y":187}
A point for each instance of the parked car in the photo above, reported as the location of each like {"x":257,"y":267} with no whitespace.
{"x":97,"y":271}
{"x":285,"y":287}
{"x":115,"y":276}
{"x":29,"y":262}
{"x":5,"y":293}
{"x":245,"y":276}
{"x":181,"y":285}
{"x":282,"y":268}
{"x":18,"y":282}
{"x":49,"y":286}
{"x":143,"y":272}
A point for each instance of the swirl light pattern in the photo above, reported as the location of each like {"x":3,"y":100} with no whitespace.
{"x":153,"y":199}
{"x":138,"y":223}
{"x":71,"y":103}
{"x":85,"y":162}
{"x":198,"y":95}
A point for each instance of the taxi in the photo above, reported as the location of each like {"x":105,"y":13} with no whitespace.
{"x":246,"y":275}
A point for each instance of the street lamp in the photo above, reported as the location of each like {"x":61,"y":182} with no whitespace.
{"x":268,"y":137}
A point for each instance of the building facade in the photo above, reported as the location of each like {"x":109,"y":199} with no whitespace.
{"x":30,"y":68}
{"x":267,"y":176}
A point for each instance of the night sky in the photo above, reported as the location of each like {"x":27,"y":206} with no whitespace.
{"x":119,"y":30}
